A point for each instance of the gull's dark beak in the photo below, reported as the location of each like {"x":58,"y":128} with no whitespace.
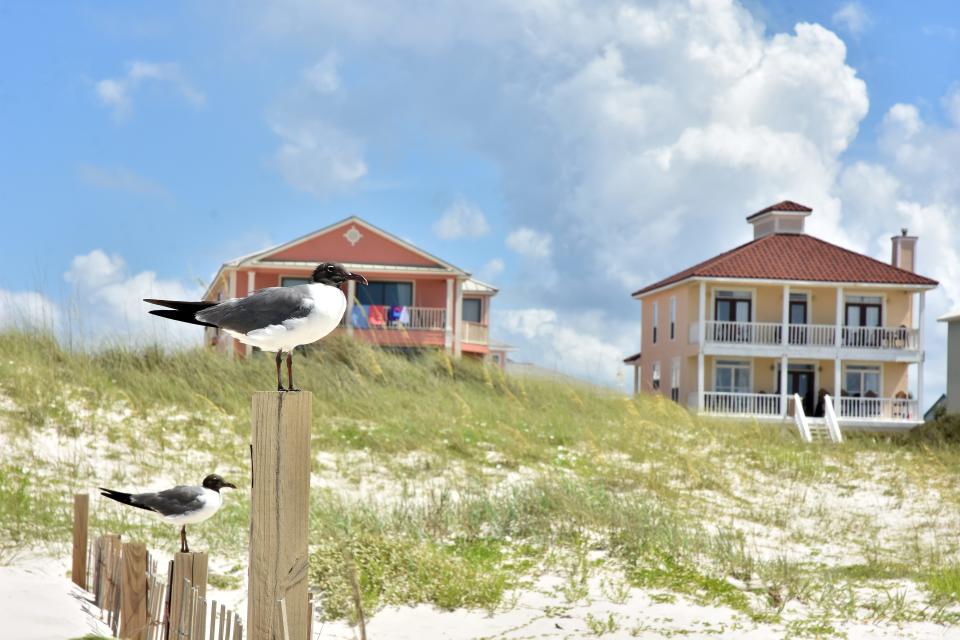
{"x":230,"y":484}
{"x":359,"y":278}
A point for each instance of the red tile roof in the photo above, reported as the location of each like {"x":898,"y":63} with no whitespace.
{"x":786,"y":205}
{"x":795,"y":257}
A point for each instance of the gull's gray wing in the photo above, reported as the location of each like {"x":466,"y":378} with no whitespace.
{"x":171,"y":502}
{"x":260,"y":309}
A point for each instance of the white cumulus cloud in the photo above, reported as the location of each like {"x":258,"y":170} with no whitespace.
{"x":853,"y":17}
{"x":117,"y":93}
{"x":461,"y":219}
{"x":322,"y":76}
{"x":530,"y":243}
{"x":28,"y":310}
{"x":316,"y":157}
{"x":108,"y":302}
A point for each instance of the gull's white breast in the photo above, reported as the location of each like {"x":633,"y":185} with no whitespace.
{"x":211,"y":502}
{"x":325,"y":315}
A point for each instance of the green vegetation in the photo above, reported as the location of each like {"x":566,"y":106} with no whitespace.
{"x":445,"y":482}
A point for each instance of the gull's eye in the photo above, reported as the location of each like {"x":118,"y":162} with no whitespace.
{"x":331,"y":268}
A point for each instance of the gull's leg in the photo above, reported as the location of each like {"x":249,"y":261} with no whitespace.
{"x":279,"y":380}
{"x":183,"y":540}
{"x":290,"y":386}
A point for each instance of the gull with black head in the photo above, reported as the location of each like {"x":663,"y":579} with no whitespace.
{"x":276,"y":318}
{"x":182,"y":505}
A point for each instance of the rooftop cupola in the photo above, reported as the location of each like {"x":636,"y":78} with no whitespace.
{"x":783,"y":217}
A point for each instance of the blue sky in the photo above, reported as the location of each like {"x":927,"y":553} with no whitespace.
{"x":573,"y":144}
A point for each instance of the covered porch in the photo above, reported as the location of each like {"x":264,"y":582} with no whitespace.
{"x":865,"y":394}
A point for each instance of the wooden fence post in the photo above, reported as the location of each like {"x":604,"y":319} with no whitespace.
{"x":108,"y":548}
{"x":133,"y":592}
{"x":81,"y":517}
{"x":186,"y":566}
{"x":279,"y":509}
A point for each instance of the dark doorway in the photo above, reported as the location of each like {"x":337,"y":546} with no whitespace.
{"x":800,"y":381}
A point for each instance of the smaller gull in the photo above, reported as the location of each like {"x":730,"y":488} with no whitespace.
{"x":276,"y":318}
{"x":183,"y":504}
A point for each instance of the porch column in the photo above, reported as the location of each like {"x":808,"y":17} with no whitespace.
{"x":783,"y":386}
{"x":636,"y":380}
{"x":838,"y":345}
{"x":837,"y":383}
{"x":786,"y":315}
{"x":458,"y":319}
{"x":251,"y":280}
{"x":231,"y":293}
{"x":838,"y":329}
{"x":448,"y":321}
{"x":701,"y":337}
{"x":923,"y":353}
{"x":351,"y":294}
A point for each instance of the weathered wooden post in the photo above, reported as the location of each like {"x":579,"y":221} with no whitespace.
{"x":81,"y":527}
{"x":192,"y":567}
{"x":279,"y":509}
{"x":133,"y":591}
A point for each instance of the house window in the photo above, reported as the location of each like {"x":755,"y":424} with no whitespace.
{"x":675,"y":380}
{"x":862,"y":315}
{"x":656,"y":320}
{"x":673,"y":317}
{"x":864,"y":311}
{"x":732,"y":306}
{"x":862,"y":381}
{"x":292,"y":281}
{"x":386,"y":293}
{"x":732,"y":376}
{"x":472,"y":309}
{"x":496,"y":359}
{"x":655,"y":377}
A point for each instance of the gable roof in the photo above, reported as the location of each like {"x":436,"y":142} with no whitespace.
{"x":784,"y":205}
{"x":265,"y":254}
{"x":795,"y":257}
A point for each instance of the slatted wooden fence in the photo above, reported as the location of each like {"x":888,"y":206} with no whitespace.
{"x":150,"y":604}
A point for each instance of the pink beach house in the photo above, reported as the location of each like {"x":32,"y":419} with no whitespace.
{"x":413,"y":300}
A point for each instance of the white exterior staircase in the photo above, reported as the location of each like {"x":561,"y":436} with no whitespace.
{"x":819,"y":429}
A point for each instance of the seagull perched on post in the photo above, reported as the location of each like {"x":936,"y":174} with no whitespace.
{"x":274,"y":319}
{"x":183,"y":504}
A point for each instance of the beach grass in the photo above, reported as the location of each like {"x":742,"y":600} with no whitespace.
{"x":444,"y":481}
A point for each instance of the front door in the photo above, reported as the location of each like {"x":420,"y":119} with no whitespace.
{"x":800,"y":382}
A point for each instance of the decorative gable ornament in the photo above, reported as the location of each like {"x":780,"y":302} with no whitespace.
{"x":353,"y":235}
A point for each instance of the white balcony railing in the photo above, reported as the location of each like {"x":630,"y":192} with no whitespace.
{"x":743,"y":332}
{"x":408,"y":319}
{"x":871,"y":409}
{"x":808,"y":335}
{"x":474,"y":332}
{"x":724,"y":403}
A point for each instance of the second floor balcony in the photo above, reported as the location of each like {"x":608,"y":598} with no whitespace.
{"x":775,"y":334}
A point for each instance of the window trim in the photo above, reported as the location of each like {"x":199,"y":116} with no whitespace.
{"x":673,"y":318}
{"x":479,"y":300}
{"x":675,"y":379}
{"x":656,"y":319}
{"x":413,"y":290}
{"x":876,"y":366}
{"x":733,"y":363}
{"x":751,"y":291}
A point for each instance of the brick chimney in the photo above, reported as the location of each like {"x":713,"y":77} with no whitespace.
{"x":904,"y":251}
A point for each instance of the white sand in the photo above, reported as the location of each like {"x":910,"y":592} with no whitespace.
{"x":38,"y":603}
